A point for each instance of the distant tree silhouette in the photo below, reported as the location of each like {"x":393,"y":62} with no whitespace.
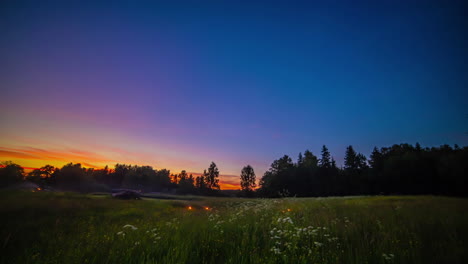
{"x":247,"y":181}
{"x":276,"y":180}
{"x":310,"y":160}
{"x":327,"y":183}
{"x":120,"y":172}
{"x":73,"y":177}
{"x":300,"y":159}
{"x":212,"y":177}
{"x":139,"y":178}
{"x":355,"y":166}
{"x":161,"y":180}
{"x":10,"y":173}
{"x":350,"y":160}
{"x":186,"y":183}
{"x":102,"y":176}
{"x":325,"y":160}
{"x":200,"y":182}
{"x":44,"y":176}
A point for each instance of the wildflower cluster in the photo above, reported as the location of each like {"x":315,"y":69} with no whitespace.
{"x":388,"y":257}
{"x":215,"y":218}
{"x":288,"y":238}
{"x":126,"y":227}
{"x":154,"y":234}
{"x":174,"y":223}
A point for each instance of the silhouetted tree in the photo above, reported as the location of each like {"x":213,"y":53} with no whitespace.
{"x":325,"y":160}
{"x":310,"y":160}
{"x":73,"y":177}
{"x":326,"y":183}
{"x":10,"y":173}
{"x":102,"y":176}
{"x":200,"y":182}
{"x":161,"y":180}
{"x":247,"y":182}
{"x":376,"y":159}
{"x":276,"y":180}
{"x":300,"y":159}
{"x":350,"y":160}
{"x":186,"y":183}
{"x":211,"y":177}
{"x":43,"y":176}
{"x":117,"y":177}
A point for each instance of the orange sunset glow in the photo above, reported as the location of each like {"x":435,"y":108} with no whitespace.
{"x":31,"y":158}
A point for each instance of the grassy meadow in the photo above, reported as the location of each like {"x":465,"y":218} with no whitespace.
{"x":47,"y":227}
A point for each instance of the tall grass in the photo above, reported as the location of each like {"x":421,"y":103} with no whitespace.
{"x":72,"y":228}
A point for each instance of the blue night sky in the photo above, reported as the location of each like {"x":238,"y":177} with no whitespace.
{"x":181,"y":84}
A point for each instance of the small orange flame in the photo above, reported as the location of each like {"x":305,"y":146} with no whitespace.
{"x":207,"y":208}
{"x":190,"y":207}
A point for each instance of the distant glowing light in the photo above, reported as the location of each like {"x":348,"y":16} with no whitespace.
{"x":190,"y":207}
{"x":207,"y":208}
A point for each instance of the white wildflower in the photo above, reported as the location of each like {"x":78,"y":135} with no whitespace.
{"x":388,"y":257}
{"x":130,"y":226}
{"x":276,"y":250}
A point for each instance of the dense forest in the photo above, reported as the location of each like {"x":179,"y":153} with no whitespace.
{"x":399,"y":169}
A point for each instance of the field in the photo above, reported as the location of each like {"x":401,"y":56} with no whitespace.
{"x":74,"y":228}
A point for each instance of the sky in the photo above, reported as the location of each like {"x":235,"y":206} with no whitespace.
{"x":179,"y":84}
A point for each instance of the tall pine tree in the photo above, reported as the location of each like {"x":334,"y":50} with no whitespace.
{"x":325,"y":161}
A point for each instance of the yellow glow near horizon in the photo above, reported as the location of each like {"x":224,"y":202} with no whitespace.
{"x":31,"y":158}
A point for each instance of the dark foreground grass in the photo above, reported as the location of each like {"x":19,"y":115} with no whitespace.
{"x":73,"y":228}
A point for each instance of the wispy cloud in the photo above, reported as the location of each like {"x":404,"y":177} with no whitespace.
{"x":84,"y":157}
{"x":16,"y":154}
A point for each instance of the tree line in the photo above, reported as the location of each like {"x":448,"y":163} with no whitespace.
{"x":74,"y":177}
{"x":399,"y":169}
